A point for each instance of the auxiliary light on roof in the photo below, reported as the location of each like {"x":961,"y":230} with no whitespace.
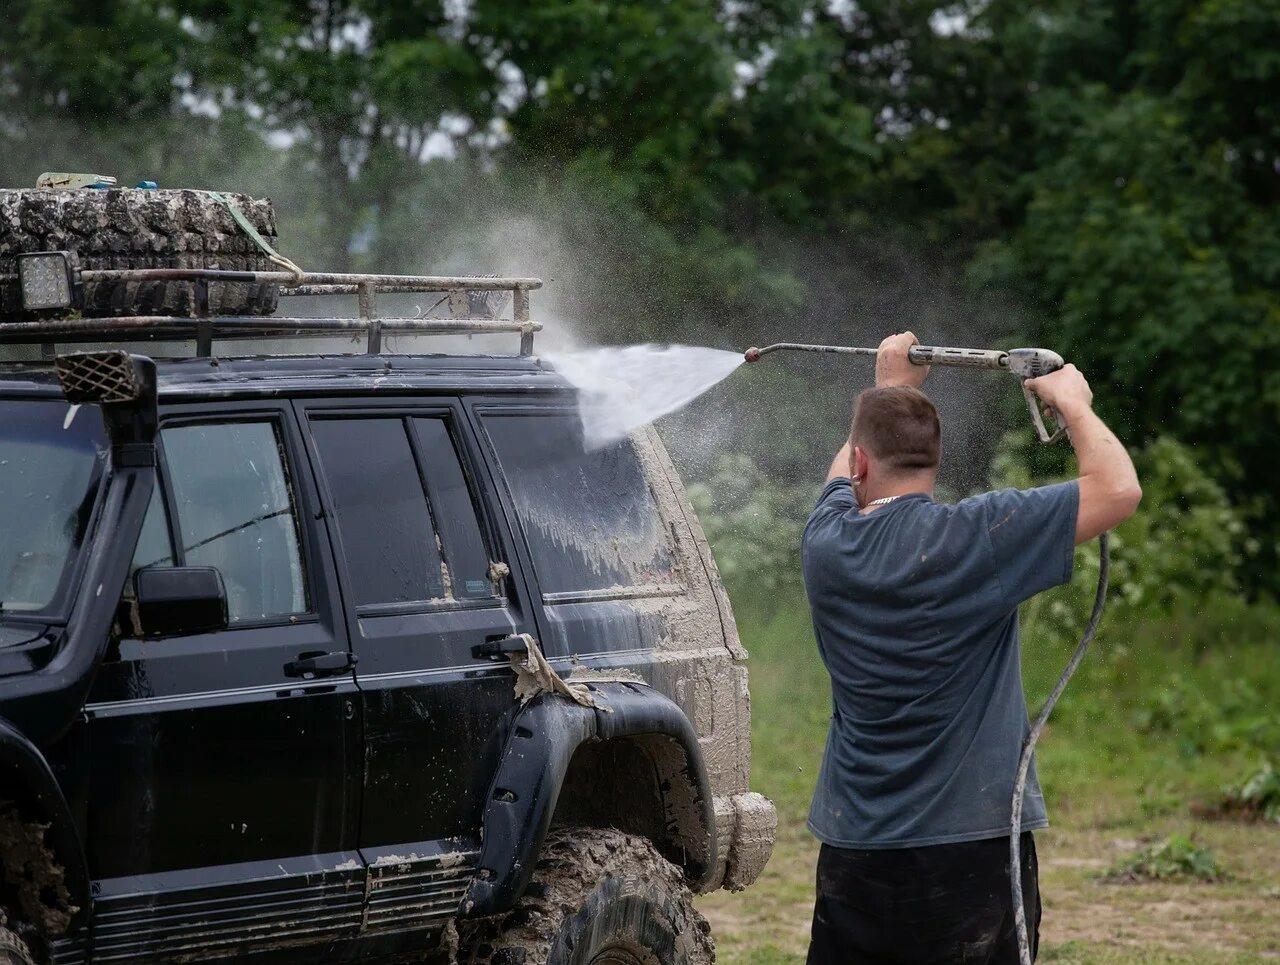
{"x":47,"y":278}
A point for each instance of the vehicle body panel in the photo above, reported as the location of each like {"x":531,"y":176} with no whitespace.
{"x":256,"y":803}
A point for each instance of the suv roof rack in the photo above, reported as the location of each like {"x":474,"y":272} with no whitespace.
{"x":204,"y":327}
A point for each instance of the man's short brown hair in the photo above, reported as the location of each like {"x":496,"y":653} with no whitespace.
{"x":899,"y":426}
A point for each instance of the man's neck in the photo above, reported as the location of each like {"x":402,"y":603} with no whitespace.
{"x":893,"y":488}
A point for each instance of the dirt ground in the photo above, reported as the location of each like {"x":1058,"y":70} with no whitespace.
{"x":1085,"y":919}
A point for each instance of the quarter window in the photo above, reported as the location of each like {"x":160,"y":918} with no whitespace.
{"x":589,"y":514}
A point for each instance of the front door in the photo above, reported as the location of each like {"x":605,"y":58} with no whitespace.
{"x":424,"y":572}
{"x":223,"y":792}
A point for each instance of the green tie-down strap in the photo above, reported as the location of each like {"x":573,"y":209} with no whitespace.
{"x":252,"y":232}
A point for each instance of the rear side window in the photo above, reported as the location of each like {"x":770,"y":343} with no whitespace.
{"x":589,"y":515}
{"x":232,"y":509}
{"x":403,"y":509}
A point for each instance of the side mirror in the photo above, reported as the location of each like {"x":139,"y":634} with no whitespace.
{"x":180,"y":600}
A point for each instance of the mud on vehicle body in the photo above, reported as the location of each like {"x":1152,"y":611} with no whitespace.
{"x":349,"y":657}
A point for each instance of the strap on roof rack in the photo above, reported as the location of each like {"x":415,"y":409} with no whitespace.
{"x":247,"y":226}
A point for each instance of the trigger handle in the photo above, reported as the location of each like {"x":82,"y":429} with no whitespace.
{"x":1033,"y":404}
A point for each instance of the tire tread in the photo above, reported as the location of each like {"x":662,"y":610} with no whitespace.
{"x":573,"y":863}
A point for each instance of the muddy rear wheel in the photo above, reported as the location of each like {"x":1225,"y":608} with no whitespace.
{"x":13,"y":950}
{"x":598,"y":897}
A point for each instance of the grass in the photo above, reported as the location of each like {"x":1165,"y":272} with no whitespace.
{"x":1160,"y":720}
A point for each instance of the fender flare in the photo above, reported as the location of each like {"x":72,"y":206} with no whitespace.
{"x":542,"y":738}
{"x":24,"y":769}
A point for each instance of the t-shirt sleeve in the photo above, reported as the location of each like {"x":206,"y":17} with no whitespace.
{"x":1033,"y":537}
{"x":836,"y":499}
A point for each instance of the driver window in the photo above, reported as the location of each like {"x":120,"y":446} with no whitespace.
{"x":233,"y":509}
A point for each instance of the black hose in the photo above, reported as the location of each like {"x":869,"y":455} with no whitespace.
{"x":1029,"y":746}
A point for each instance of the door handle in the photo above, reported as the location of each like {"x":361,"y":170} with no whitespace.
{"x":495,"y":648}
{"x":317,"y":663}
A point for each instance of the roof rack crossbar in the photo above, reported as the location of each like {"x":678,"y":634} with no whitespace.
{"x":335,"y":283}
{"x":142,"y":324}
{"x":204,"y":328}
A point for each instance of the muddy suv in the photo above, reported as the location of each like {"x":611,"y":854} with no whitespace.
{"x":337,"y":657}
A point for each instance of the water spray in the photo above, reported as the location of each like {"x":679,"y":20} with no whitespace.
{"x":1025,"y":363}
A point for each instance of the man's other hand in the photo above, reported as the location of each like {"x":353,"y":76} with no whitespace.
{"x":1066,"y":390}
{"x":894,"y":367}
{"x":1109,"y":487}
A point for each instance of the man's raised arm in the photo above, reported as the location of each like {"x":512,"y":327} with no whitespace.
{"x":1109,"y":488}
{"x":893,"y":367}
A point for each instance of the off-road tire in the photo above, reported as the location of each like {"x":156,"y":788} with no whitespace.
{"x":140,"y":229}
{"x":13,"y":950}
{"x":595,"y":894}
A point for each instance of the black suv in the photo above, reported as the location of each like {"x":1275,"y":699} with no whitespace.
{"x":339,"y":657}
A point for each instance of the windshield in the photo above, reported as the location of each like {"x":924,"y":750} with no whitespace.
{"x":50,"y":460}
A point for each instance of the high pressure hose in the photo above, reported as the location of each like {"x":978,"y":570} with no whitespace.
{"x":1029,"y":746}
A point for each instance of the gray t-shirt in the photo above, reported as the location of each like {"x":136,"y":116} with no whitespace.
{"x":915,"y":610}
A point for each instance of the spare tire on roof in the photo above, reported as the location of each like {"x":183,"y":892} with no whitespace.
{"x":140,"y":229}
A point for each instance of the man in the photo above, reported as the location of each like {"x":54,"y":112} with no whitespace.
{"x":915,"y":612}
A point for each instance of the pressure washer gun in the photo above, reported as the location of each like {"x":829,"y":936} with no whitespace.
{"x":1025,"y":363}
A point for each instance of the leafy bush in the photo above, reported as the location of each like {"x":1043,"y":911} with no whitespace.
{"x":1257,"y":796}
{"x":1233,"y":715}
{"x":1182,"y":550}
{"x":1175,"y":858}
{"x":753,"y":524}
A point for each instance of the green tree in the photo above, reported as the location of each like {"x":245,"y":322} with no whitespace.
{"x":124,"y":63}
{"x":1113,"y":165}
{"x":1149,"y":237}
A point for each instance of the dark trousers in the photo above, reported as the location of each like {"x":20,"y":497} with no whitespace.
{"x":944,"y":903}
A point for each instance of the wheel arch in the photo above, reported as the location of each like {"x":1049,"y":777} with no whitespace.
{"x":569,"y":763}
{"x":28,"y":783}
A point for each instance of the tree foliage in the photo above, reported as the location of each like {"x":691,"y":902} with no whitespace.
{"x":1110,"y":166}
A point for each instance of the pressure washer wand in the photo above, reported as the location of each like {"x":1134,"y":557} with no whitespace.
{"x":1025,"y":363}
{"x":918,"y":354}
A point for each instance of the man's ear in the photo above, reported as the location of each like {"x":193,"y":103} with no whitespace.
{"x":860,"y":463}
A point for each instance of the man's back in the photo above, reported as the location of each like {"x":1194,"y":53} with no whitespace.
{"x":915,"y":610}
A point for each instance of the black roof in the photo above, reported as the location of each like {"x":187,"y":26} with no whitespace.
{"x":301,"y":375}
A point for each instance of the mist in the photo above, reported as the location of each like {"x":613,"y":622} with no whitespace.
{"x":607,"y":283}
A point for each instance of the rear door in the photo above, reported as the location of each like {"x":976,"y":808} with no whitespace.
{"x":223,"y":790}
{"x":423,"y":570}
